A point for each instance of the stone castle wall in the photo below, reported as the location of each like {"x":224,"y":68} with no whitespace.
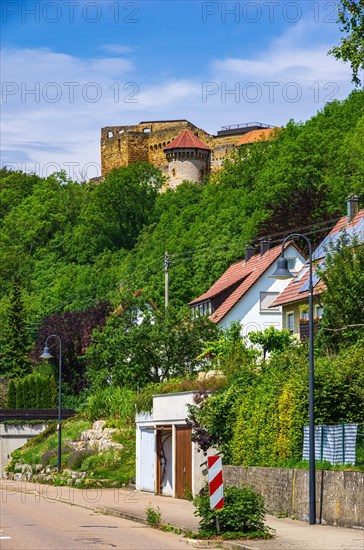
{"x":124,"y":145}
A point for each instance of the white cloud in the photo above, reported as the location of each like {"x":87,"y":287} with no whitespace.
{"x":41,"y":127}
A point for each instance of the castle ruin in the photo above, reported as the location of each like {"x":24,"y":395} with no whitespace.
{"x":149,"y":141}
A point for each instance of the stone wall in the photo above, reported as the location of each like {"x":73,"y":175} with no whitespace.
{"x":339,"y":494}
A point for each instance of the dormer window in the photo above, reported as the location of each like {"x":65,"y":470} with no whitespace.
{"x":202,"y":309}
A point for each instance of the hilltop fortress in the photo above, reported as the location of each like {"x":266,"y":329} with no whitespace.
{"x":179,"y":148}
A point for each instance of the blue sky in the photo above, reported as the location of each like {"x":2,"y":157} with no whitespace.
{"x":70,"y":67}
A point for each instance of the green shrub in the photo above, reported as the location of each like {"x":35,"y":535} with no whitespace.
{"x":11,"y":400}
{"x":53,"y":392}
{"x":76,"y":459}
{"x":47,"y":456}
{"x":20,"y":394}
{"x":243,"y":513}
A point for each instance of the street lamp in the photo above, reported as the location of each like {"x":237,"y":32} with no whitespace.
{"x":282,"y":272}
{"x":47,"y":355}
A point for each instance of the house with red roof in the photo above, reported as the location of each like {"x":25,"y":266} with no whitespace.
{"x":294,"y":298}
{"x":245,"y":292}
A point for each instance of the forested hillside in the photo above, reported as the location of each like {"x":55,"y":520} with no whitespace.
{"x":70,"y":245}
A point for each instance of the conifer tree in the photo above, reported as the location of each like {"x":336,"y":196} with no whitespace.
{"x":14,"y":361}
{"x":11,"y":401}
{"x":20,"y":394}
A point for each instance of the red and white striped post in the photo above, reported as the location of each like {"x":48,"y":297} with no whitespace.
{"x":214,"y":465}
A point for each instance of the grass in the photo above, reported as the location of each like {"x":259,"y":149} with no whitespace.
{"x":35,"y":448}
{"x":116,"y":466}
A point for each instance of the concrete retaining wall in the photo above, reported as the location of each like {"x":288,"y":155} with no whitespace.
{"x":339,"y":494}
{"x":13,"y":436}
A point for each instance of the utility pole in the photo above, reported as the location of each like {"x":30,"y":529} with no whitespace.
{"x":166,"y":279}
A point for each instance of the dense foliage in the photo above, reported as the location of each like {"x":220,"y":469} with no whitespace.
{"x":351,"y":47}
{"x":258,"y":418}
{"x":73,"y":246}
{"x":34,"y":391}
{"x":343,"y":275}
{"x":159,"y":346}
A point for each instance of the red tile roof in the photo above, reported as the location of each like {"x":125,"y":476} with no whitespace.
{"x":186,"y":140}
{"x":291,"y":292}
{"x":257,"y":135}
{"x":246,"y":272}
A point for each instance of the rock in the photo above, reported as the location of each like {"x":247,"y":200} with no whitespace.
{"x":17,"y":476}
{"x":37,"y":468}
{"x":99,"y":424}
{"x":108,"y":432}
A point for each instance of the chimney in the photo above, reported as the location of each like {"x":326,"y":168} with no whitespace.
{"x":249,"y":252}
{"x":353,"y":206}
{"x":264,"y":246}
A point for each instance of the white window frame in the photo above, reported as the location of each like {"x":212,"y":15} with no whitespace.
{"x":288,"y":313}
{"x":269,"y":309}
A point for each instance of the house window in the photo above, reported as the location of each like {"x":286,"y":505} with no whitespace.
{"x":291,"y":264}
{"x":290,"y":321}
{"x":266,"y":299}
{"x":304,"y":315}
{"x":319,"y":311}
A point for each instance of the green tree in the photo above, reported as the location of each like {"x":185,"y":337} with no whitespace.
{"x":14,"y":360}
{"x":117,"y":210}
{"x":343,"y":275}
{"x":20,"y":394}
{"x":140,"y":345}
{"x":11,"y":400}
{"x":53,"y":392}
{"x":27,"y":398}
{"x":351,"y":47}
{"x":271,"y":340}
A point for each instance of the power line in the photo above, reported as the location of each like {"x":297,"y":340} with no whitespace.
{"x":215,"y":251}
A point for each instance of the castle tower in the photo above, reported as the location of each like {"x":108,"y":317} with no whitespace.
{"x":188,"y":159}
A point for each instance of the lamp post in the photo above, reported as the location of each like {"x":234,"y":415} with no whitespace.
{"x":282,"y":272}
{"x":47,"y":355}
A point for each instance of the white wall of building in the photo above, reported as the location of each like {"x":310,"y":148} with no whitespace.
{"x":169,"y":410}
{"x":14,"y":436}
{"x":247,"y":310}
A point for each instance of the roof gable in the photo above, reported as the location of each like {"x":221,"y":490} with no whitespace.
{"x":246,"y":272}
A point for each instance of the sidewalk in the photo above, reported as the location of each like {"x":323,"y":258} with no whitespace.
{"x":290,"y":534}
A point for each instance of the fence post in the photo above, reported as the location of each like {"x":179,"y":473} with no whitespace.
{"x":343,"y":439}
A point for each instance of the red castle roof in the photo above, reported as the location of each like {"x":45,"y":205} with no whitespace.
{"x":186,"y":140}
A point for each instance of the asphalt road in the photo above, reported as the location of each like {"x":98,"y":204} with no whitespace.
{"x":29,"y":523}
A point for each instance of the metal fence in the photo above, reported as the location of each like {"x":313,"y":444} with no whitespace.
{"x":7,"y":415}
{"x":337,"y":443}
